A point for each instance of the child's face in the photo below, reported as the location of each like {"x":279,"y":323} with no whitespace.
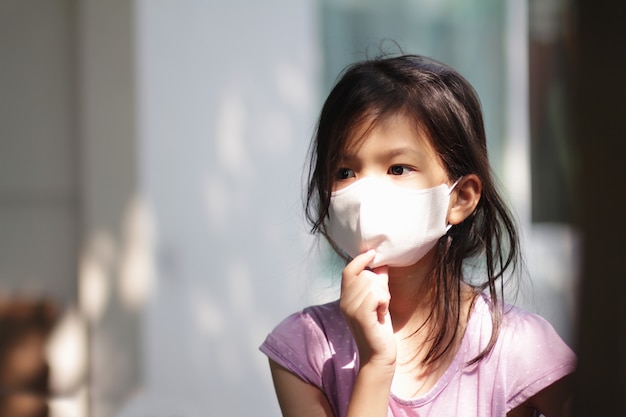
{"x":393,"y":148}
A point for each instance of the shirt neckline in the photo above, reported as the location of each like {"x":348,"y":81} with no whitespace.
{"x":459,"y":361}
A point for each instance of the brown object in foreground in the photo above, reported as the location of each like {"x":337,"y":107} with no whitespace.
{"x":24,"y":372}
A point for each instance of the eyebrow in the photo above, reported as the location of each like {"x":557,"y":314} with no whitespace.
{"x":399,"y":151}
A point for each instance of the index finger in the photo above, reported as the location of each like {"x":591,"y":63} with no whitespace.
{"x":359,"y":263}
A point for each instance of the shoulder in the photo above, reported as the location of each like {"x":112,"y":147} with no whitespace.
{"x":304,"y":341}
{"x":520,"y":330}
{"x":531,"y":339}
{"x":318,"y":321}
{"x":530,"y":354}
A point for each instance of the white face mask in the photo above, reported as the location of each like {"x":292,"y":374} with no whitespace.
{"x":401,"y":224}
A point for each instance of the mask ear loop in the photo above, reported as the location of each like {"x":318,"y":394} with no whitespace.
{"x":452,"y":187}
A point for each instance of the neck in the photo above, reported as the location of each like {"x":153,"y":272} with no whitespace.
{"x":412,"y":297}
{"x":411,"y":294}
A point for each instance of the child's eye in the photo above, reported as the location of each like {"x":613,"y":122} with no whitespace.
{"x":400,"y":170}
{"x":345,"y":173}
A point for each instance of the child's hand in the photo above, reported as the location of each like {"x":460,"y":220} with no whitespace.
{"x":365,"y":305}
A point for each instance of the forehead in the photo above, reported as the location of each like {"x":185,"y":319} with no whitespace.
{"x":391,"y":130}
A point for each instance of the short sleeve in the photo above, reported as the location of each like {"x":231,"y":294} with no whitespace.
{"x":299,"y":345}
{"x":535,"y":356}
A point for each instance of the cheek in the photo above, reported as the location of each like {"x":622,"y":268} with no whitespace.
{"x":338,"y":185}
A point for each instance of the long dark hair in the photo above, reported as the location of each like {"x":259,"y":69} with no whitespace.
{"x":442,"y":103}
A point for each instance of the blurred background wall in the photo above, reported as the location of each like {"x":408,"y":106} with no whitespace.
{"x":152,"y":156}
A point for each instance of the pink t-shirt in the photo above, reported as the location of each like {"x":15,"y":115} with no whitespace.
{"x":316,"y":344}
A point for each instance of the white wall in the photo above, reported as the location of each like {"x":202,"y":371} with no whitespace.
{"x":226,"y":106}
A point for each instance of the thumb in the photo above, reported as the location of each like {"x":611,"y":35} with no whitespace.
{"x":358,"y":264}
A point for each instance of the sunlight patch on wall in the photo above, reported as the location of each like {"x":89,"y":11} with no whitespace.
{"x":293,"y":87}
{"x":217,"y":203}
{"x":207,"y":314}
{"x":239,"y":280}
{"x":136,"y":278}
{"x":94,"y":283}
{"x":75,"y":405}
{"x":277,"y":132}
{"x":66,"y":352}
{"x":230,"y":143}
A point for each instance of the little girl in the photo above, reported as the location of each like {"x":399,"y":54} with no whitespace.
{"x":401,"y":187}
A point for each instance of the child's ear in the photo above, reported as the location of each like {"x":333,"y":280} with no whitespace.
{"x":464,"y":198}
